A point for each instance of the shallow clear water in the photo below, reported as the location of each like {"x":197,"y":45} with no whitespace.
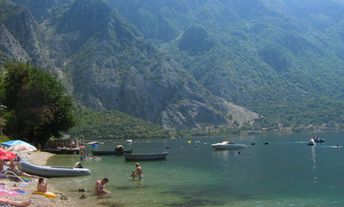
{"x":287,"y":172}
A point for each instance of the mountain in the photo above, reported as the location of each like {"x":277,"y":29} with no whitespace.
{"x":20,"y":38}
{"x":188,"y":63}
{"x":278,"y":58}
{"x":107,"y":64}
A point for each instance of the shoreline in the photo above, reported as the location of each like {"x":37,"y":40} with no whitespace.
{"x":41,"y":158}
{"x":27,"y":188}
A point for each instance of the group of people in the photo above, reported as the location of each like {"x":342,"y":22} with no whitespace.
{"x":137,"y":173}
{"x":100,"y":184}
{"x":12,"y":169}
{"x":42,"y":184}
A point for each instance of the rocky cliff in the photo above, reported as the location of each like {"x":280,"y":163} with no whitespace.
{"x":107,"y":64}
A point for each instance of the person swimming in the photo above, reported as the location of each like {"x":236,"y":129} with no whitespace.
{"x":133,"y":174}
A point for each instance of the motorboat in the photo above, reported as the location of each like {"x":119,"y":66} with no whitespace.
{"x":318,"y":140}
{"x":145,"y":156}
{"x":227,"y":145}
{"x":92,"y":142}
{"x":53,"y":171}
{"x":311,"y":142}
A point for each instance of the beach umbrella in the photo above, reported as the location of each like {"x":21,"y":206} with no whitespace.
{"x":13,"y":143}
{"x":6,"y":155}
{"x":22,"y":147}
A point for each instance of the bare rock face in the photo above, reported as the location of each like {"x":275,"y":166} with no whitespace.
{"x":107,"y":64}
{"x":10,"y":46}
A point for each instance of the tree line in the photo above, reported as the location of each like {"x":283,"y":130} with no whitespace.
{"x":34,"y":104}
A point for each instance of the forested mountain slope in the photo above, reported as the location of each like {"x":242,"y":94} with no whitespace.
{"x":188,"y":63}
{"x":282,"y":59}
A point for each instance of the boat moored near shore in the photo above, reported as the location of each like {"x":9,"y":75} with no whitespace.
{"x":53,"y":171}
{"x":146,"y":156}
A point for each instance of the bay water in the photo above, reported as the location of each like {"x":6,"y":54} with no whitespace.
{"x":277,"y":171}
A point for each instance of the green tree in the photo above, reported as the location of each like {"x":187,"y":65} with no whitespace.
{"x":37,"y":104}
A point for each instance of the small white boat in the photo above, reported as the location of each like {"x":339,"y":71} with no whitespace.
{"x":226,"y":145}
{"x":53,"y":171}
{"x":93,"y":142}
{"x":312,"y":142}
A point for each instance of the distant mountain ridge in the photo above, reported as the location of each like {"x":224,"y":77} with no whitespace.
{"x":188,"y":63}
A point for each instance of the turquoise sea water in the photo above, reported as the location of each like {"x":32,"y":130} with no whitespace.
{"x":285,"y":173}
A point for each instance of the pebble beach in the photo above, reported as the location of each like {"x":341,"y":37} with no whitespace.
{"x":23,"y":191}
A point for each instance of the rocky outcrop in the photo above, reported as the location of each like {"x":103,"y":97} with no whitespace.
{"x":10,"y":46}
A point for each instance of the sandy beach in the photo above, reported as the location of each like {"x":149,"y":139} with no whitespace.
{"x":26,"y":188}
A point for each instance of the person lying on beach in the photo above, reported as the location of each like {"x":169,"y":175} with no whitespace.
{"x":5,"y":173}
{"x":42,"y":186}
{"x":6,"y":201}
{"x":15,"y":169}
{"x":100,"y":187}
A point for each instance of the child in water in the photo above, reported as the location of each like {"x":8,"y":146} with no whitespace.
{"x":133,"y":175}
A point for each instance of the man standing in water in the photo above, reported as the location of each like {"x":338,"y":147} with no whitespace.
{"x":100,"y":187}
{"x":139,"y":173}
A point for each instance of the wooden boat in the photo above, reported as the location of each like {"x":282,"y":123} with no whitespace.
{"x":145,"y":156}
{"x":53,"y":171}
{"x":226,"y":145}
{"x":110,"y":152}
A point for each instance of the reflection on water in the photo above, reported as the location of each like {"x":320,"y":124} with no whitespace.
{"x":314,"y":163}
{"x":221,"y":154}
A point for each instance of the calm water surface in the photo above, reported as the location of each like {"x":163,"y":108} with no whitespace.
{"x":286,"y":172}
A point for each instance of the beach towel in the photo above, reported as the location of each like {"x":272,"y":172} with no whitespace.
{"x":2,"y":175}
{"x":20,"y":191}
{"x":6,"y":192}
